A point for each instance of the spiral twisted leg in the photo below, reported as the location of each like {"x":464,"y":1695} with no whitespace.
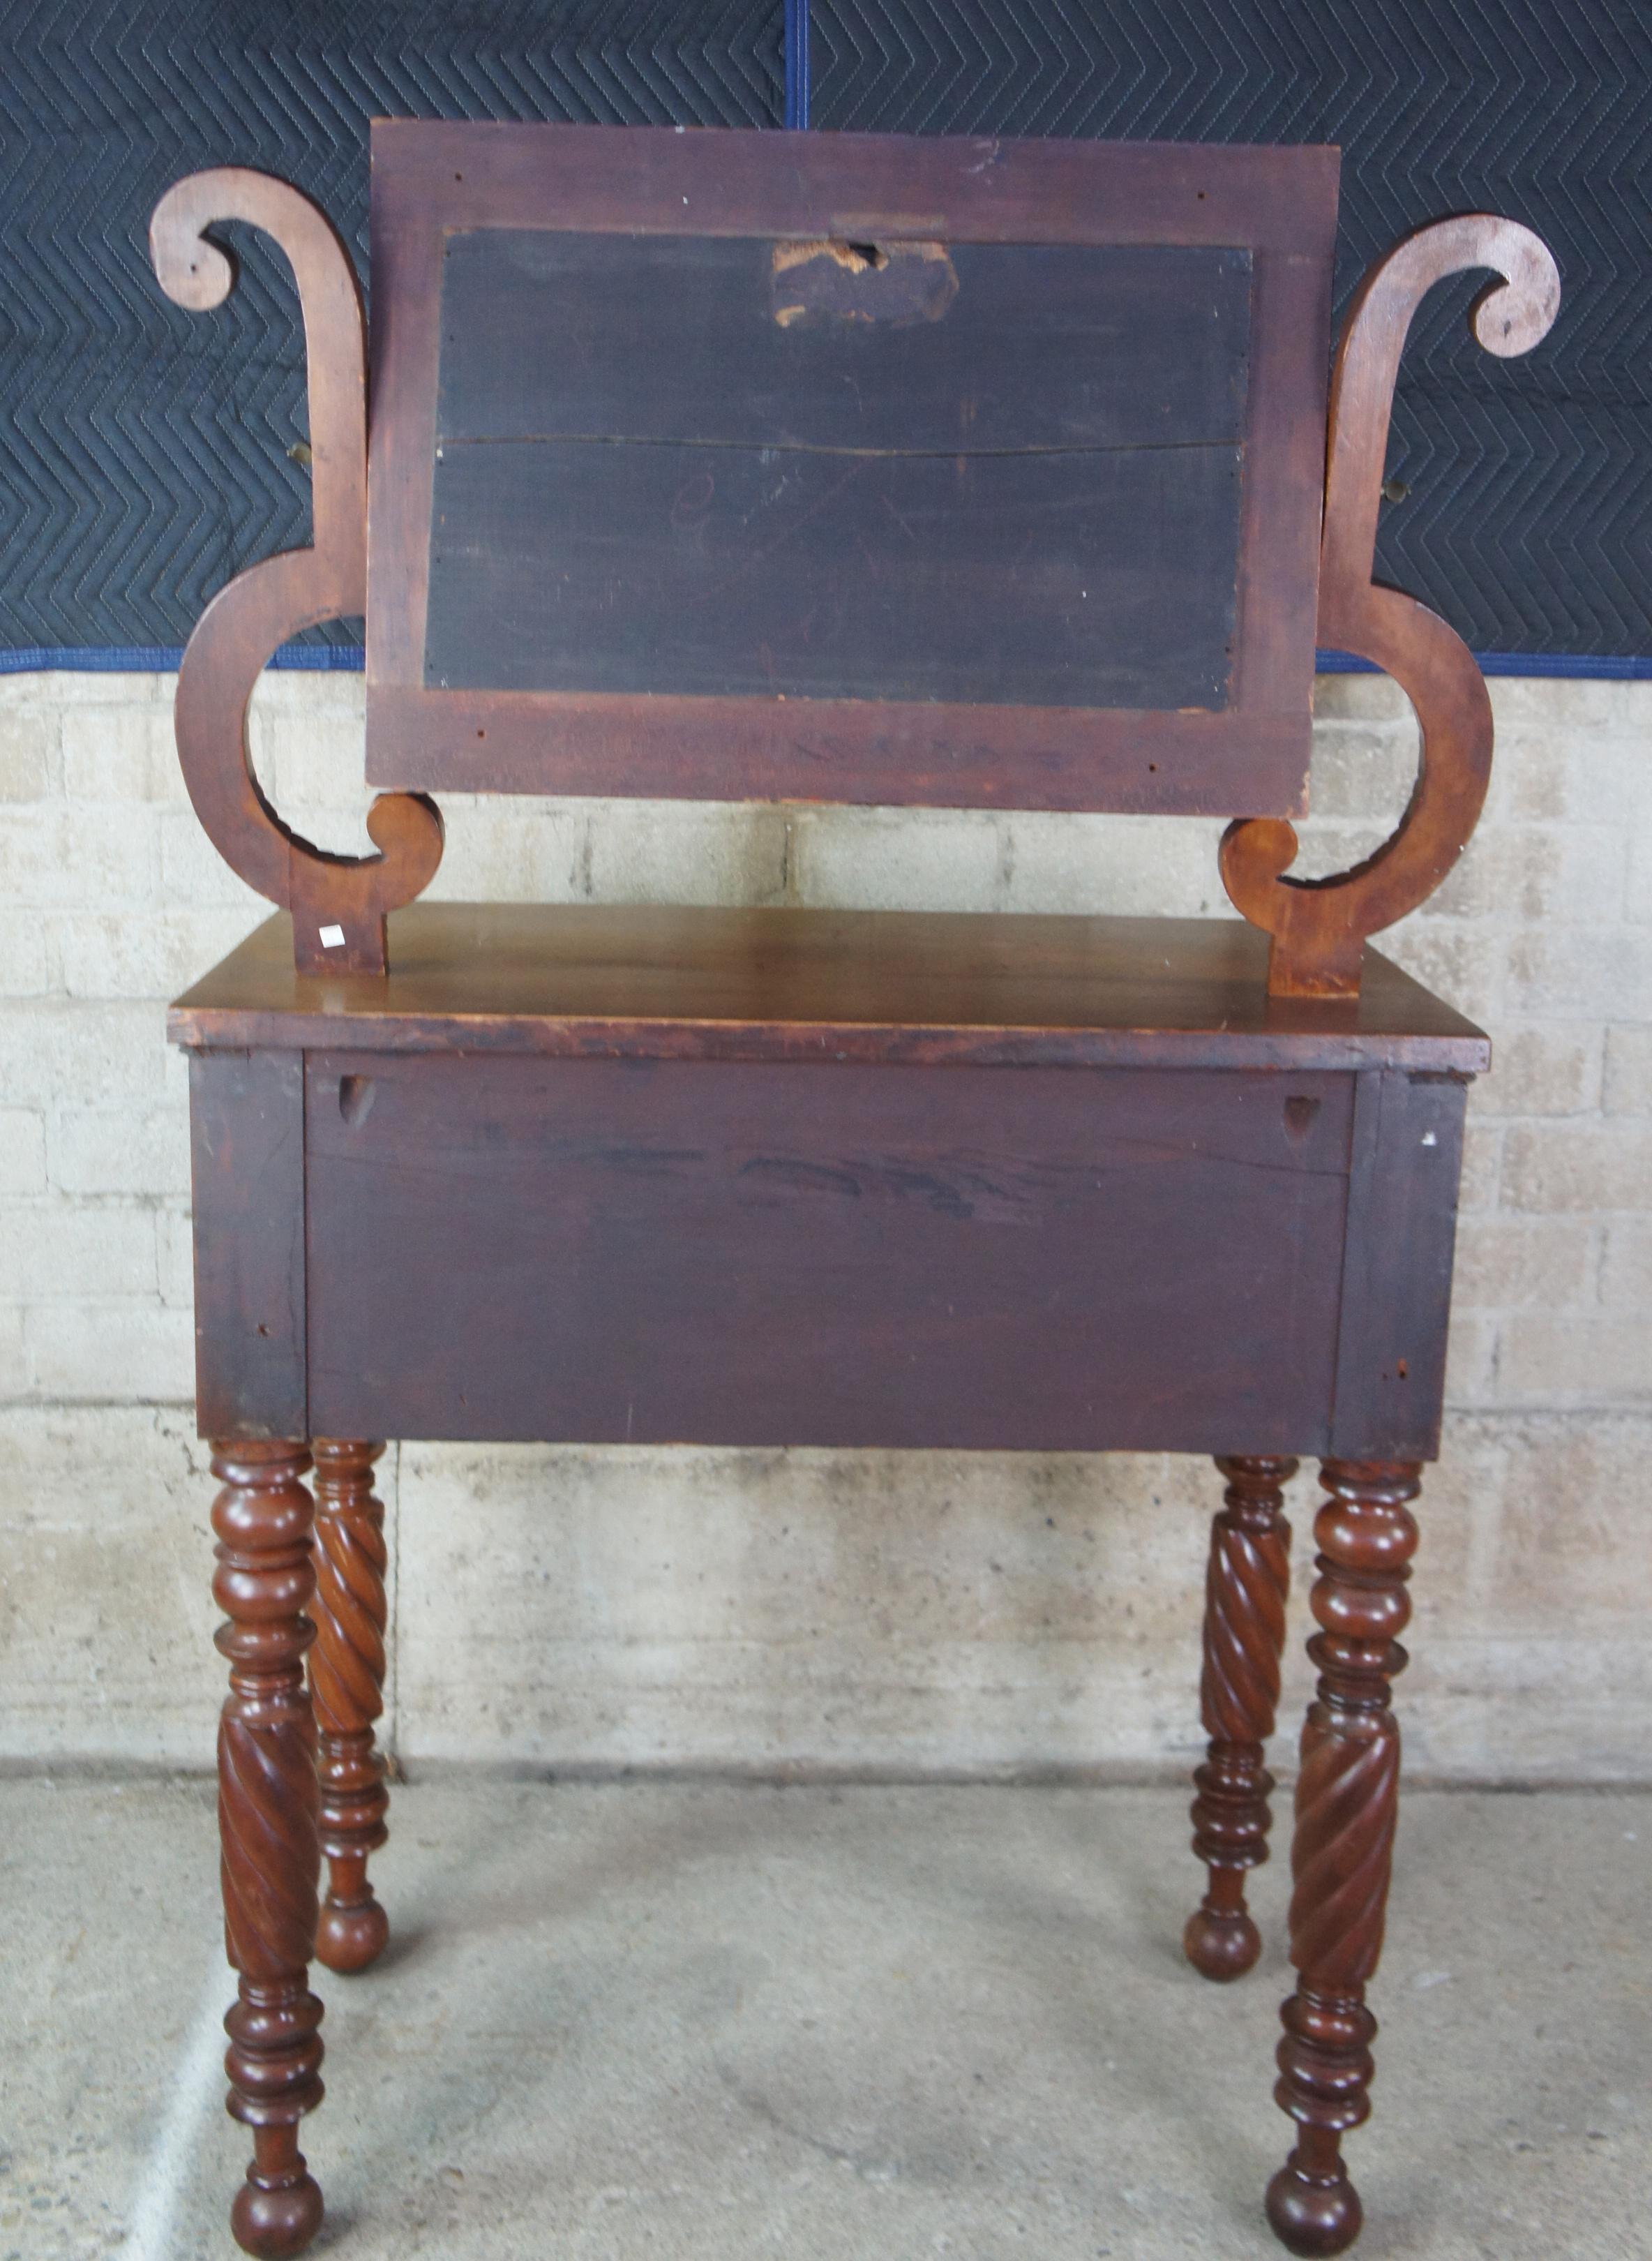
{"x":1347,"y":1804}
{"x":347,"y":1679}
{"x":267,"y":1823}
{"x":1245,"y":1594}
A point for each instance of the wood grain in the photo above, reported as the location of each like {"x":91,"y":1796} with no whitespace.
{"x":1347,"y":1806}
{"x":1397,"y":1291}
{"x":431,"y":185}
{"x":1087,"y":577}
{"x":247,"y":1133}
{"x":268,"y":1818}
{"x":1318,"y":926}
{"x":1245,"y":1592}
{"x":347,"y":1681}
{"x":654,"y":981}
{"x":562,"y":334}
{"x":240,"y":630}
{"x":663,"y":466}
{"x":823,"y":1255}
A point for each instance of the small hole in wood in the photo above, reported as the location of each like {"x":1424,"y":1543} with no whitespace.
{"x":1299,"y":1114}
{"x":264,"y":1330}
{"x":1201,"y":196}
{"x":458,"y":177}
{"x":868,"y":255}
{"x":1401,"y":1370}
{"x":1152,"y":769}
{"x":356,"y":1095}
{"x":481,"y":734}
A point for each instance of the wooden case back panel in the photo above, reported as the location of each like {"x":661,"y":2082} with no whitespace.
{"x":1407,"y":1161}
{"x":705,"y":465}
{"x":247,"y":1178}
{"x":672,"y":1251}
{"x":858,"y":468}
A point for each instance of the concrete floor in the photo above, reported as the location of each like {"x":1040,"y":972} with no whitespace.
{"x":724,"y":2022}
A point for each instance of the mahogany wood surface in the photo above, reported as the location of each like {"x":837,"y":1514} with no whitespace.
{"x":346,"y":1681}
{"x":431,"y":183}
{"x":1348,"y":1795}
{"x":268,"y":1823}
{"x":810,"y":1252}
{"x":1406,"y":1161}
{"x":1319,"y":926}
{"x":979,"y":988}
{"x":240,"y":630}
{"x":246,"y":1128}
{"x":782,"y":1177}
{"x":1245,"y":1593}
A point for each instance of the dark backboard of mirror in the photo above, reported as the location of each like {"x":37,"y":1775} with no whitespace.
{"x":995,"y":474}
{"x":854,"y":468}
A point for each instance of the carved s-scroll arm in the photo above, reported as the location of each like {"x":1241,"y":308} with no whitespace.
{"x":245,"y":622}
{"x":1318,"y":926}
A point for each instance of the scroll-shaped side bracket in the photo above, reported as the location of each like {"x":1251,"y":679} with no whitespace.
{"x":245,"y":622}
{"x":1318,"y":926}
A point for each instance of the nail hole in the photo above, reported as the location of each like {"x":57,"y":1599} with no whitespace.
{"x":1401,"y":1370}
{"x":264,"y":1331}
{"x":356,"y":1095}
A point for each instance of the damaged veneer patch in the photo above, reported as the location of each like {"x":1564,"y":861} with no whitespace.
{"x":827,"y":280}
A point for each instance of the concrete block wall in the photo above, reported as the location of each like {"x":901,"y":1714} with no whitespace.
{"x":809,"y":1610}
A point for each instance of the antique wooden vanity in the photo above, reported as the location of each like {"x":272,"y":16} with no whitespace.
{"x":859,"y":470}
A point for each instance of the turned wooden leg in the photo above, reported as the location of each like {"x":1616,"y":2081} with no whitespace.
{"x":1245,"y":1592}
{"x":347,"y":1679}
{"x":1347,"y":1801}
{"x":267,"y":1823}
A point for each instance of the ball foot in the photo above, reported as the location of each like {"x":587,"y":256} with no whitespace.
{"x":349,"y":1937}
{"x":1221,"y":1944}
{"x":273,"y":2220}
{"x":1313,"y":2217}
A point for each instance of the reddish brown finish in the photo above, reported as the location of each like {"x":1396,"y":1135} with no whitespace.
{"x":429,"y":180}
{"x":1390,"y":1352}
{"x":347,"y":1681}
{"x":650,"y":981}
{"x":246,"y":622}
{"x":1319,"y":926}
{"x":1346,"y":1803}
{"x":1245,"y":1596}
{"x":268,"y":1824}
{"x":924,"y":754}
{"x":247,"y":1137}
{"x":1221,"y":1183}
{"x":819,"y":1253}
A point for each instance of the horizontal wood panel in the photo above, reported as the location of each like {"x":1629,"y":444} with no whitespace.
{"x":830,"y":1255}
{"x":1102,"y":580}
{"x":887,"y":753}
{"x":742,"y":340}
{"x":658,"y":980}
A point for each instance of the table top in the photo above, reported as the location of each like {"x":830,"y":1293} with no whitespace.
{"x":654,"y":981}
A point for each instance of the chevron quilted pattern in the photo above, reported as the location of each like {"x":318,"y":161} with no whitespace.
{"x":1526,"y":511}
{"x":145,"y":454}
